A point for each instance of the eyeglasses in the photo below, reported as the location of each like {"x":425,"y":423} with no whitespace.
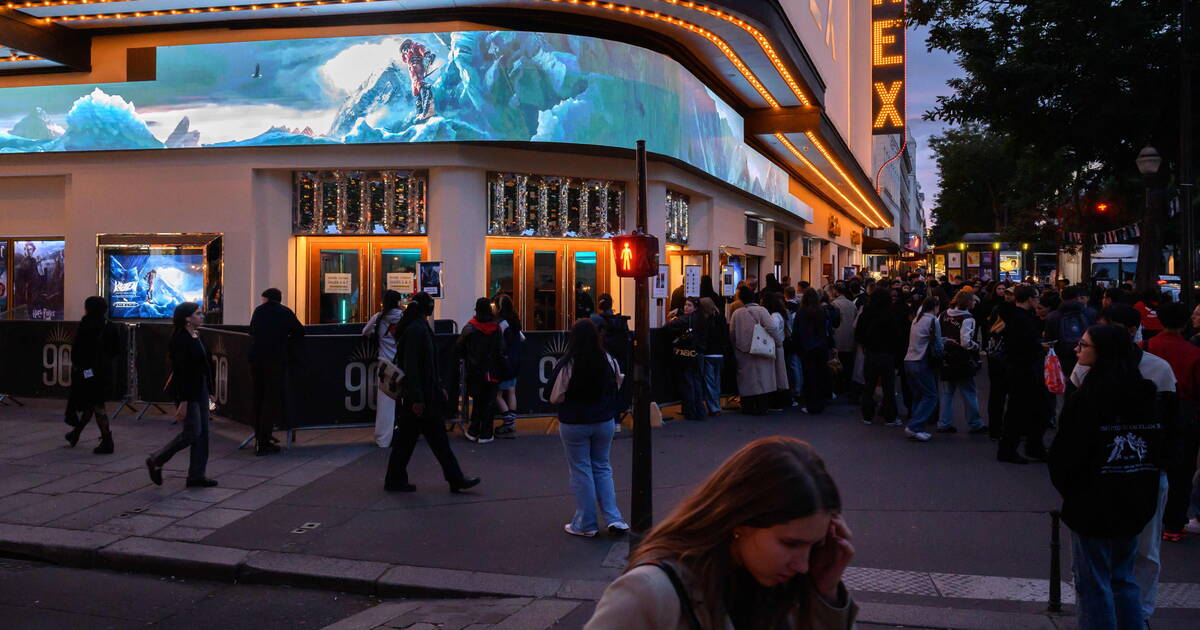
{"x":1083,"y":344}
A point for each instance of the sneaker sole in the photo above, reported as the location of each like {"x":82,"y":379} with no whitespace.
{"x":567,"y":528}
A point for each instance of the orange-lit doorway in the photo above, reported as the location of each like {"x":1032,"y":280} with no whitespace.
{"x":552,"y":282}
{"x":346,"y":277}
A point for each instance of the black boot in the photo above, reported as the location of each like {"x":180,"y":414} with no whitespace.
{"x":73,"y":436}
{"x":106,"y":445}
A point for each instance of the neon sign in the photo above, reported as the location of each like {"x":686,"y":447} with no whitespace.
{"x":887,"y":67}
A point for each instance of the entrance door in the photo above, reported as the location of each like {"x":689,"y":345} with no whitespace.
{"x":544,"y":306}
{"x":347,"y":277}
{"x":679,"y":260}
{"x":587,"y":274}
{"x":552,"y":282}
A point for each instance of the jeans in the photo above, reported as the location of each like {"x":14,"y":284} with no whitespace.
{"x":970,"y":398}
{"x":409,"y":427}
{"x":587,"y":447}
{"x":795,"y":372}
{"x":924,"y":385}
{"x":879,"y":370}
{"x":1148,"y":562}
{"x":1105,"y":591}
{"x":193,"y":435}
{"x":711,"y":367}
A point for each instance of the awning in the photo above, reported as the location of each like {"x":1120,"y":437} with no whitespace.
{"x":729,"y":250}
{"x":879,"y":247}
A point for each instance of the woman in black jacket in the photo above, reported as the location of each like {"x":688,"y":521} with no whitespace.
{"x":877,"y":330}
{"x":189,"y":384}
{"x":1104,"y":461}
{"x":689,"y":335}
{"x":92,"y":352}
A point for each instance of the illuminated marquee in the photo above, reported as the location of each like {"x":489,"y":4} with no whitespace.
{"x":887,"y":66}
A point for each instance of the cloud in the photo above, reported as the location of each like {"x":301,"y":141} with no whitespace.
{"x":345,"y":72}
{"x":227,"y":123}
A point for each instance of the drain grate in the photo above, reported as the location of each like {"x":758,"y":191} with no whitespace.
{"x":306,"y":527}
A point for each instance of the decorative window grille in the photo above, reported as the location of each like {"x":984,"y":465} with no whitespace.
{"x":678,"y":218}
{"x":360,"y":202}
{"x":554,"y":206}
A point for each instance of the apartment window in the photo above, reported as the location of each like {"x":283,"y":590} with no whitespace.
{"x":755,"y":232}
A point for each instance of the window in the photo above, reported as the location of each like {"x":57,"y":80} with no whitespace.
{"x":806,"y":245}
{"x":554,"y":206}
{"x":678,"y":218}
{"x":359,"y":202}
{"x":755,"y":232}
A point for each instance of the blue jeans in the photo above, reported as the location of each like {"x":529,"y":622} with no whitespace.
{"x":711,"y":367}
{"x":924,"y":385}
{"x":587,"y":447}
{"x":1107,"y":597}
{"x":795,"y":371}
{"x":1148,"y":564}
{"x":192,"y":435}
{"x":967,"y":387}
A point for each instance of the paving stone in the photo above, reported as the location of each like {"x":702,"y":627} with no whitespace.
{"x":591,"y":590}
{"x":374,"y":616}
{"x":135,"y":525}
{"x":214,"y":517}
{"x":412,"y":581}
{"x":121,"y":484}
{"x":304,"y":475}
{"x":173,"y":558}
{"x":12,"y":484}
{"x":355,"y":576}
{"x":73,"y":482}
{"x":99,"y":513}
{"x":257,"y":497}
{"x":187,"y":534}
{"x":61,"y":546}
{"x":14,"y":502}
{"x":207,"y":495}
{"x":178,"y":508}
{"x":124,"y":464}
{"x":227,"y":464}
{"x":239,"y":481}
{"x":55,"y":507}
{"x":541,"y":614}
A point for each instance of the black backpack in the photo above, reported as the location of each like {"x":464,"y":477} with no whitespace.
{"x":957,"y":363}
{"x":1071,"y":327}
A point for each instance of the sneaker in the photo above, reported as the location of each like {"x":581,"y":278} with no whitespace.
{"x":618,"y":528}
{"x":867,"y":422}
{"x":917,"y":436}
{"x":949,"y":429}
{"x":1193,"y":526}
{"x":893,"y":423}
{"x":484,"y":440}
{"x":506,"y":432}
{"x":470,"y":437}
{"x":574,"y":532}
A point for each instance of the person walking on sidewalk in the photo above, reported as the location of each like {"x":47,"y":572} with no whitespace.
{"x":760,"y":544}
{"x":189,"y":384}
{"x":382,"y":327}
{"x":92,"y":352}
{"x":421,"y":406}
{"x":514,"y":344}
{"x":924,"y":346}
{"x":480,"y":346}
{"x":586,"y":384}
{"x":960,"y":364}
{"x":273,"y":328}
{"x":1103,"y":461}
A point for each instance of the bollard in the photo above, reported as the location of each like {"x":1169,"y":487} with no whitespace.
{"x":1055,"y":570}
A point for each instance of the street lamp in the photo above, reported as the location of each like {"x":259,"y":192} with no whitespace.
{"x":1150,"y":250}
{"x":1148,"y":162}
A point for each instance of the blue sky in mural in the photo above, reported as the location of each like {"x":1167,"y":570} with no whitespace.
{"x":467,"y":86}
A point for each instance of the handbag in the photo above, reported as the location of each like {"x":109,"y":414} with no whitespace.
{"x":1053,"y":374}
{"x":388,"y":377}
{"x":761,"y":344}
{"x":835,"y":365}
{"x":684,"y":346}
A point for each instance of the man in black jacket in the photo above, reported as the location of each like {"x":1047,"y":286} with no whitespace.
{"x":421,"y":406}
{"x":1026,"y":383}
{"x":272,"y":328}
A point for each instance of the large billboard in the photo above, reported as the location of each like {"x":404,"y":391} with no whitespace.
{"x":887,"y":67}
{"x":432,"y":87}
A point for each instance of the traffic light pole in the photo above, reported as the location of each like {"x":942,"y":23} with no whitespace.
{"x":642,"y":504}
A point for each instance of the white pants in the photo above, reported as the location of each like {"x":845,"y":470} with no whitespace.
{"x":385,"y":419}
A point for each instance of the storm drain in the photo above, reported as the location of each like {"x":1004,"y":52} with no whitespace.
{"x":305,"y":528}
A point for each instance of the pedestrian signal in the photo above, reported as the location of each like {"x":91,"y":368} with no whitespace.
{"x":635,"y":255}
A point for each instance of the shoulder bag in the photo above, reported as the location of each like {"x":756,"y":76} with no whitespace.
{"x":762,"y":344}
{"x":388,"y":375}
{"x":687,"y":610}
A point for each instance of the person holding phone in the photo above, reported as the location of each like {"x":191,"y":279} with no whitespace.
{"x":761,"y":544}
{"x":190,"y":383}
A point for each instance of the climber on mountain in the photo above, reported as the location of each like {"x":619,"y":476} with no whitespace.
{"x":418,"y":58}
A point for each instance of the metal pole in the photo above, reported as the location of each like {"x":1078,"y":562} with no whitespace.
{"x":642,"y":504}
{"x":1188,"y":276}
{"x":1055,"y":569}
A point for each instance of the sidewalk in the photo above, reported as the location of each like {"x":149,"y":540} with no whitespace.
{"x":941,"y":526}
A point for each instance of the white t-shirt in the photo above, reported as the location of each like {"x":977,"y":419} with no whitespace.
{"x":1153,"y":368}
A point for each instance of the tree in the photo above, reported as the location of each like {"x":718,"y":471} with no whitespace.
{"x":1078,"y":85}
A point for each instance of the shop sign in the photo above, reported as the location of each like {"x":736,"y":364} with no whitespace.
{"x":691,"y":280}
{"x":887,"y":67}
{"x":400,"y":282}
{"x":659,"y":291}
{"x":339,"y":283}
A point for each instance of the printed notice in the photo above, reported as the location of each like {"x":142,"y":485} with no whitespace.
{"x":339,"y":283}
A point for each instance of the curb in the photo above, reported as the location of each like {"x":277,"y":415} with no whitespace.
{"x":95,"y":550}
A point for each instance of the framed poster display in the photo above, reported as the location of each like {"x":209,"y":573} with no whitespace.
{"x":3,"y":277}
{"x":691,"y":281}
{"x":429,"y":278}
{"x":35,"y":286}
{"x":145,"y":276}
{"x":972,"y":259}
{"x":954,"y":261}
{"x":659,"y":290}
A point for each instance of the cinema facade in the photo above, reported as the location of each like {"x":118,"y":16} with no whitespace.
{"x":328,"y":150}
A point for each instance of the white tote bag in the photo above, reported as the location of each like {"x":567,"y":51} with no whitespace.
{"x":762,"y":344}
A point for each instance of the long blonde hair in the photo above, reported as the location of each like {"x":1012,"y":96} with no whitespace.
{"x":768,"y":482}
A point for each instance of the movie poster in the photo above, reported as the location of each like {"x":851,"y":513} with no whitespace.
{"x":37,"y":283}
{"x":150,"y":285}
{"x":429,"y":278}
{"x":3,"y":276}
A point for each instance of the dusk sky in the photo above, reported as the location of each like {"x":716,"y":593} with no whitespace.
{"x":927,"y":76}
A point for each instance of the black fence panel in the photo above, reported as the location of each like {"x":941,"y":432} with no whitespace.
{"x":35,"y":359}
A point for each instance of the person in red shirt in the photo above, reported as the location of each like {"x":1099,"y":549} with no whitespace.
{"x":1148,"y":307}
{"x":1185,"y":363}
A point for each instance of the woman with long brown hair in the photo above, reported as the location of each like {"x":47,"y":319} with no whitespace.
{"x":761,"y":544}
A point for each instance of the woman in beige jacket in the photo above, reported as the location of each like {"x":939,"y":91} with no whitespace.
{"x":760,"y":545}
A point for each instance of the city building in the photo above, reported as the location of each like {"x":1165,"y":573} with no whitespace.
{"x":157,"y":151}
{"x":901,"y":245}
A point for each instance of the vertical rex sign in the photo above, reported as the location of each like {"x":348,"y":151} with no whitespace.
{"x":887,"y":67}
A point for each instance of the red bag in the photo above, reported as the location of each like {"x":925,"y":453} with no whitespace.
{"x":1055,"y":382}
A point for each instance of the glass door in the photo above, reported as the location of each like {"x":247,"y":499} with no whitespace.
{"x":337,"y":282}
{"x":544,"y":304}
{"x":503,"y":273}
{"x":588,"y":279}
{"x":396,"y":270}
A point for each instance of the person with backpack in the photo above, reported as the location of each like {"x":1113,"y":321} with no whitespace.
{"x":480,"y":347}
{"x":689,"y":331}
{"x":1104,"y":463}
{"x":586,"y":385}
{"x":1066,"y":325}
{"x":960,"y":363}
{"x":514,"y":345}
{"x":382,"y":328}
{"x":422,"y":404}
{"x":95,"y":345}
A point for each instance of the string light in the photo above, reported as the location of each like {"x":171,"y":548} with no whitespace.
{"x":14,"y":57}
{"x":796,"y":152}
